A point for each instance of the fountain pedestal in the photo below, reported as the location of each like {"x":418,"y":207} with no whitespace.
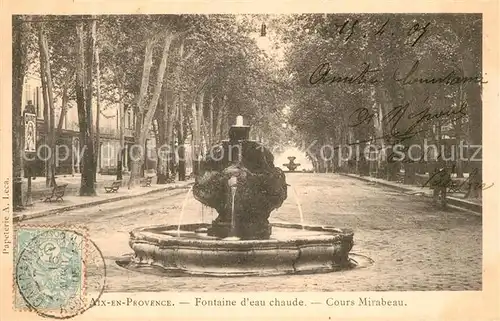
{"x":244,"y":232}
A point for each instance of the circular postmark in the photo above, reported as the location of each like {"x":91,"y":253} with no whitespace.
{"x":60,"y":273}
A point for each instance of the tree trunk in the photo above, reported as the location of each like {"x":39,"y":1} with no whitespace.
{"x":220,"y":119}
{"x":121,"y":117}
{"x":45,"y":56}
{"x":170,"y":135}
{"x":201,"y":98}
{"x":180,"y":140}
{"x":46,"y":125}
{"x":194,"y":134}
{"x":145,"y":123}
{"x":46,"y":108}
{"x":64,"y":110}
{"x":80,"y":96}
{"x":64,"y":104}
{"x":84,"y":105}
{"x":18,"y":73}
{"x":29,"y":199}
{"x":197,"y":131}
{"x":136,"y":153}
{"x":459,"y":135}
{"x":181,"y":128}
{"x":210,"y":127}
{"x":89,"y":162}
{"x":225,"y":122}
{"x":475,"y":119}
{"x":164,"y":142}
{"x":205,"y":136}
{"x":161,"y":163}
{"x":391,"y":165}
{"x":97,"y":157}
{"x":197,"y":116}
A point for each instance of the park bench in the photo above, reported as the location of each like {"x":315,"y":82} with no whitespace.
{"x":57,"y":193}
{"x":146,"y":181}
{"x":400,"y":178}
{"x":114,"y":187}
{"x":454,"y":186}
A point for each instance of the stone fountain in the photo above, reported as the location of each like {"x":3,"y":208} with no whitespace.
{"x":238,"y":179}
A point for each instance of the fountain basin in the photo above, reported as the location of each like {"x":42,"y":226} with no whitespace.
{"x":292,"y":248}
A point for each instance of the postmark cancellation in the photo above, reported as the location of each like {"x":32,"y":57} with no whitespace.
{"x":57,"y":270}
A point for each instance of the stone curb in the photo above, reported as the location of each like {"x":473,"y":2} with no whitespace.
{"x":456,"y":202}
{"x":23,"y":217}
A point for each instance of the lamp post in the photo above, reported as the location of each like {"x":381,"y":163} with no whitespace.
{"x":29,"y":150}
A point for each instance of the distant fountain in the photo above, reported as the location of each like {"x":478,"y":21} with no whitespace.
{"x":238,"y":179}
{"x":291,"y":165}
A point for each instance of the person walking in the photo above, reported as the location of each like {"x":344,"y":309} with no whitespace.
{"x":440,"y":180}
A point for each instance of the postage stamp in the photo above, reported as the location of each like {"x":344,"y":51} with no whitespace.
{"x":48,"y":267}
{"x":55,"y":270}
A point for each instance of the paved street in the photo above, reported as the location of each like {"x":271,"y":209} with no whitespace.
{"x":413,"y":245}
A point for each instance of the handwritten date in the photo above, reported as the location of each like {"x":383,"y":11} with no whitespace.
{"x":412,"y":34}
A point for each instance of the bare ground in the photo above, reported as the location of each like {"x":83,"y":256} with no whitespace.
{"x":413,"y":245}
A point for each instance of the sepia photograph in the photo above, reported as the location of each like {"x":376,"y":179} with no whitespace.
{"x":234,"y":153}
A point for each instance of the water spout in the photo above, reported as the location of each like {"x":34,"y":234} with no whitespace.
{"x":233,"y":219}
{"x":296,"y":197}
{"x":182,"y":210}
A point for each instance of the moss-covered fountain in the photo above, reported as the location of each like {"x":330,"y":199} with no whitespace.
{"x":238,"y":179}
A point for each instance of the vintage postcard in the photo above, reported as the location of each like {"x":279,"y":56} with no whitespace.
{"x":249,"y":160}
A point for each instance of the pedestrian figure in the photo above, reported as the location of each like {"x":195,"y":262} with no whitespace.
{"x":29,"y":108}
{"x":439,"y":182}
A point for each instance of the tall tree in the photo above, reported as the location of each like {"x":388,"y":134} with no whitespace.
{"x":98,"y":110}
{"x":85,"y":54}
{"x":145,"y":113}
{"x":48,"y":88}
{"x":18,"y":74}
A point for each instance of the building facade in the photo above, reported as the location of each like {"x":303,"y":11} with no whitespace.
{"x":68,"y":149}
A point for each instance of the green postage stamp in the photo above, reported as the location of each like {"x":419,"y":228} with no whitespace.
{"x":50,"y":269}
